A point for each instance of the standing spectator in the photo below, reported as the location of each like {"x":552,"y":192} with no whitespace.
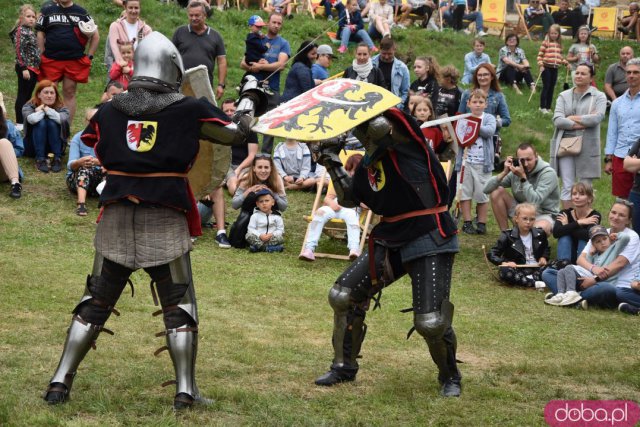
{"x":299,"y":80}
{"x":320,"y":70}
{"x":395,"y":72}
{"x":566,"y":17}
{"x":123,"y":71}
{"x":46,"y":124}
{"x":275,"y":59}
{"x":200,"y":44}
{"x":473,"y":59}
{"x":427,"y":73}
{"x":532,"y":180}
{"x":513,"y":65}
{"x":380,"y":19}
{"x":27,"y":67}
{"x":615,"y":80}
{"x":11,"y":147}
{"x":362,"y":68}
{"x":632,"y":160}
{"x":549,"y":60}
{"x":623,"y":131}
{"x":126,"y":28}
{"x":536,"y":14}
{"x":578,"y":113}
{"x":64,"y":30}
{"x":449,"y":94}
{"x":582,"y":50}
{"x":351,"y":27}
{"x":254,"y":48}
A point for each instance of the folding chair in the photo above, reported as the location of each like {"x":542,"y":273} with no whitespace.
{"x":494,"y":13}
{"x":553,"y":8}
{"x":605,"y":19}
{"x":336,"y":228}
{"x":523,"y":22}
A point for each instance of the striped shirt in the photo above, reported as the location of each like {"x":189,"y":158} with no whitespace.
{"x":550,"y":54}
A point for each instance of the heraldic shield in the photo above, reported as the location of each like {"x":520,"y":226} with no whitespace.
{"x":467,"y":130}
{"x":326,"y":111}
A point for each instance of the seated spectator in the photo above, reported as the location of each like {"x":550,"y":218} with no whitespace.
{"x":447,"y":99}
{"x":362,"y":68}
{"x":630,"y":25}
{"x":615,"y":79}
{"x":331,"y":209}
{"x":472,"y":15}
{"x":328,"y":4}
{"x":11,"y":147}
{"x":422,"y":8}
{"x":601,"y":291}
{"x":281,"y":7}
{"x":427,"y":73}
{"x":351,"y":27}
{"x":127,"y":28}
{"x":531,"y":180}
{"x":485,"y":79}
{"x":293,"y":163}
{"x":525,"y":244}
{"x":320,"y":70}
{"x":380,"y":19}
{"x":473,"y":59}
{"x":27,"y":53}
{"x":263,"y":174}
{"x":605,"y":250}
{"x":629,"y":298}
{"x":572,"y":225}
{"x":46,"y":124}
{"x":299,"y":80}
{"x":513,"y":66}
{"x":536,"y":14}
{"x":112,"y":89}
{"x":84,"y":171}
{"x":566,"y":17}
{"x":242,"y":155}
{"x":266,"y":228}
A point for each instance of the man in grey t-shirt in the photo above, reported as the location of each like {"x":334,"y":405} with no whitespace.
{"x":615,"y":80}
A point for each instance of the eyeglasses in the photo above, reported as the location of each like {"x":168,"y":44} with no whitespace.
{"x":263,"y":156}
{"x":623,"y":202}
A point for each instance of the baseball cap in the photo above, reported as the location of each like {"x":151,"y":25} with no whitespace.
{"x":597,"y":230}
{"x":264,"y":192}
{"x":257,"y":21}
{"x":325,"y":49}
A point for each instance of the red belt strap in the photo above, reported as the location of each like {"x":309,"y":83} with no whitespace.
{"x":430,"y":211}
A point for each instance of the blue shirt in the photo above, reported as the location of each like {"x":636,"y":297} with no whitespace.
{"x":319,"y":72}
{"x":276,"y":46}
{"x":624,"y":125}
{"x":496,"y":106}
{"x":77,"y":150}
{"x":471,"y":62}
{"x":14,"y":136}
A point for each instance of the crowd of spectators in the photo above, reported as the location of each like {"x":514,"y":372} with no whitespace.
{"x":526,"y":195}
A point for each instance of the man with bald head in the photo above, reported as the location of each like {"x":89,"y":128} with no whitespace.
{"x":615,"y":80}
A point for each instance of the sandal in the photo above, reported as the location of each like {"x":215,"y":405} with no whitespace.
{"x":81,"y":210}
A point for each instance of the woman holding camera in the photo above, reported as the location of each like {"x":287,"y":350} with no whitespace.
{"x":513,"y":66}
{"x":575,"y":146}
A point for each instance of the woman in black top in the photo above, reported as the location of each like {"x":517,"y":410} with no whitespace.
{"x":362,"y":68}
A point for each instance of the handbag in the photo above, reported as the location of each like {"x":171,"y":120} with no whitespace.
{"x":572,"y":145}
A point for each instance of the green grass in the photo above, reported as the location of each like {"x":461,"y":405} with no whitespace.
{"x":264,"y":318}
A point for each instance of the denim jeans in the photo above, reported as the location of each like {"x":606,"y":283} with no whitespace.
{"x":472,"y":16}
{"x":628,"y":295}
{"x":360,"y":35}
{"x":634,"y":197}
{"x":324,"y":215}
{"x":602,"y":294}
{"x":46,"y":134}
{"x":564,"y":248}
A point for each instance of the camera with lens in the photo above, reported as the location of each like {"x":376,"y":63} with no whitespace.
{"x":515,"y":162}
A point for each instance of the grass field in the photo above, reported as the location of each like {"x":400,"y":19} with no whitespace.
{"x":264,"y":319}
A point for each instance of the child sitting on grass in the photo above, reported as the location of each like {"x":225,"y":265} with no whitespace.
{"x":293,"y":162}
{"x":266,"y":228}
{"x":523,"y":245}
{"x":605,"y":249}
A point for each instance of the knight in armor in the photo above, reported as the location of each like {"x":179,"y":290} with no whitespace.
{"x":400,"y":179}
{"x":147,"y":139}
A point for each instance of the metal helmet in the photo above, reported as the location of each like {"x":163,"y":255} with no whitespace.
{"x":158,"y":64}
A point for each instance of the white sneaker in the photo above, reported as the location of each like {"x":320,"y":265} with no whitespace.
{"x":401,"y":26}
{"x":466,"y":31}
{"x":482,"y":33}
{"x":570,"y":298}
{"x":540,"y":285}
{"x":554,"y":300}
